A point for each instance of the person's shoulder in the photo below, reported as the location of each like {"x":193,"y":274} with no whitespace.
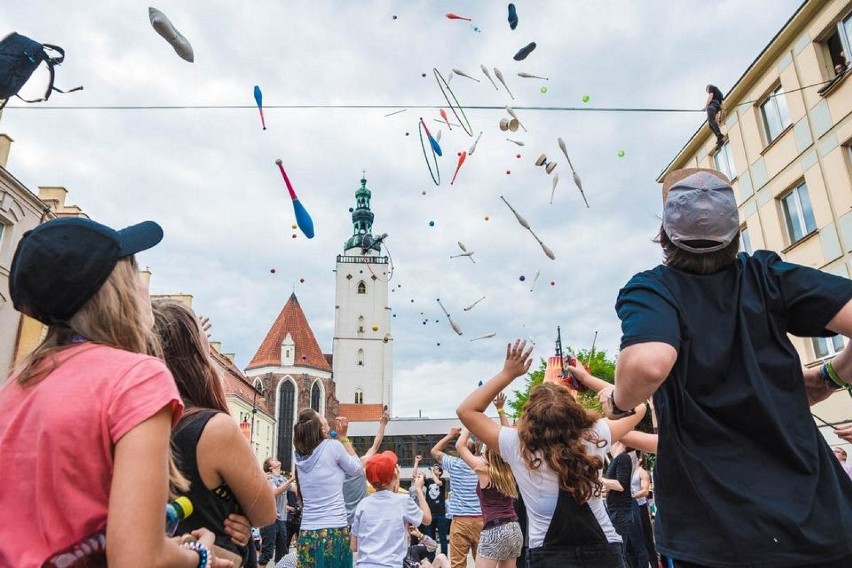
{"x":98,"y":356}
{"x":652,"y":278}
{"x":220,"y":425}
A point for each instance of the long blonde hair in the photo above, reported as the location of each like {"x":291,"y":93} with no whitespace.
{"x":499,"y":473}
{"x":113,"y":316}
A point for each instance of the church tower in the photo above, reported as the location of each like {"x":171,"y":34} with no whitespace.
{"x":363,"y":344}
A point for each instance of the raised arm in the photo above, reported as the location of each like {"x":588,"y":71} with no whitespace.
{"x":377,"y":441}
{"x":421,"y":501}
{"x":472,"y":409}
{"x":417,"y":459}
{"x":499,"y":404}
{"x":465,"y":453}
{"x":618,"y":427}
{"x":437,"y":450}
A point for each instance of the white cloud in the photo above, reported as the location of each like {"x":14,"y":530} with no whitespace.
{"x":208,"y":176}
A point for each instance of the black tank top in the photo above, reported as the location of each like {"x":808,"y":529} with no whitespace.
{"x":210,"y":507}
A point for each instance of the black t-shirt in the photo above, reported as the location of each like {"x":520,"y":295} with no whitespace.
{"x":717,"y":95}
{"x":621,"y":470}
{"x":744,"y":477}
{"x":435,"y":496}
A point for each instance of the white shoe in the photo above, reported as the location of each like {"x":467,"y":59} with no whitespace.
{"x":165,"y":28}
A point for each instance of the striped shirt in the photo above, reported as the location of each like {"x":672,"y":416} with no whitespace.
{"x":463,"y":482}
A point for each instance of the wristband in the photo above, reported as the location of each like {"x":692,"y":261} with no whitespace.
{"x":344,"y":440}
{"x":832,"y":379}
{"x":203,"y":553}
{"x":501,"y":411}
{"x":615,"y":410}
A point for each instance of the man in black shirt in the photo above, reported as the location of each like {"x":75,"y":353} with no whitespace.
{"x":744,"y":477}
{"x":713,"y":106}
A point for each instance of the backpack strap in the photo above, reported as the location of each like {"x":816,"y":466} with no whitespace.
{"x":51,"y":63}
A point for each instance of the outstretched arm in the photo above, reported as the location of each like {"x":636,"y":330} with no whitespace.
{"x":472,"y":409}
{"x":377,"y":441}
{"x":465,"y":453}
{"x":499,"y":404}
{"x":437,"y":450}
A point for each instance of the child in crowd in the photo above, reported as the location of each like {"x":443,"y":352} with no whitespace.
{"x":379,"y":530}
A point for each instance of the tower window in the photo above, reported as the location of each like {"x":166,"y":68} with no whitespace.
{"x":359,"y":396}
{"x":361,"y":357}
{"x":361,"y":324}
{"x":362,"y":288}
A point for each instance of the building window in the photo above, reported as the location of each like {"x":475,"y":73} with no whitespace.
{"x":724,"y":160}
{"x":838,"y":47}
{"x":286,"y":419}
{"x":825,"y":347}
{"x":316,"y":396}
{"x":745,"y":240}
{"x":362,"y":288}
{"x":361,"y":357}
{"x":359,"y":396}
{"x":361,"y":324}
{"x":775,"y":115}
{"x":798,"y":213}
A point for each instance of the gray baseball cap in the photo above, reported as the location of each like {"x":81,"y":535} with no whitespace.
{"x":700,"y":214}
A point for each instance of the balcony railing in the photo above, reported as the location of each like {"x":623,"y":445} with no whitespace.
{"x":366,"y":259}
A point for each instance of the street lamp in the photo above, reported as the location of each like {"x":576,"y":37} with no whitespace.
{"x":257,"y":391}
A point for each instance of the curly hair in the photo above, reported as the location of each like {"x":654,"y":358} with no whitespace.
{"x":553,"y":430}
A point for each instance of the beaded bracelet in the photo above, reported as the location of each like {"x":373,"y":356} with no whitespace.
{"x":203,"y":553}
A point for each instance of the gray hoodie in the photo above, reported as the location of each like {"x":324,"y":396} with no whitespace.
{"x":321,"y":477}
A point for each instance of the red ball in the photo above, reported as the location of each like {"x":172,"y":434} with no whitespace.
{"x":552,"y":283}
{"x":518,"y":156}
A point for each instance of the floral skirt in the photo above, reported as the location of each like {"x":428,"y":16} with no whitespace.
{"x":325,"y":548}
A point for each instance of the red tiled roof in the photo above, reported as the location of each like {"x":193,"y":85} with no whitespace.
{"x":236,"y":384}
{"x":291,"y":320}
{"x":329,"y":358}
{"x":361,"y":412}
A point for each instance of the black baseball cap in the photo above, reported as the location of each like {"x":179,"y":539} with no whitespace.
{"x":61,"y":264}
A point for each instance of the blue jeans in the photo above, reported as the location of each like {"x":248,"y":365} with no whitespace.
{"x":440,"y":526}
{"x":274,"y":542}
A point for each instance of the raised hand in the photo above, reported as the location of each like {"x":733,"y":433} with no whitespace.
{"x":500,"y":401}
{"x":518,"y":359}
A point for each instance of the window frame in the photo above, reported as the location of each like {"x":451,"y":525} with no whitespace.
{"x":725,"y":151}
{"x":745,"y":240}
{"x":800,"y":212}
{"x":362,"y":287}
{"x":774,"y":95}
{"x":831,"y":349}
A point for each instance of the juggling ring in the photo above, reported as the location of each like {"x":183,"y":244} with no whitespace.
{"x":445,"y":88}
{"x":390,"y":266}
{"x":426,"y":157}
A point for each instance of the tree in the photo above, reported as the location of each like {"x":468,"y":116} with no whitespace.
{"x":600,"y":365}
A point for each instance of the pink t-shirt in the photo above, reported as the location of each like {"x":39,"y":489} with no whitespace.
{"x":56,"y":445}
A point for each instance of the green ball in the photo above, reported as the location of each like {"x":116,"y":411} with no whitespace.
{"x":621,"y":153}
{"x":543,"y":90}
{"x":586,"y":98}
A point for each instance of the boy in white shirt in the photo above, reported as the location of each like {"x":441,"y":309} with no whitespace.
{"x":379,"y":534}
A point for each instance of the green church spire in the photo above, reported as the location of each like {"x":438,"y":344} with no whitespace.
{"x":362,"y":221}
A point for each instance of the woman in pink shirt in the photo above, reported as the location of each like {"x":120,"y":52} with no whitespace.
{"x":85,"y":419}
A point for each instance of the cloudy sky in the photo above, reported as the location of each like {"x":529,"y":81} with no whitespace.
{"x":209,"y":178}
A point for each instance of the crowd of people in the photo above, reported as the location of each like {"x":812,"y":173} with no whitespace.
{"x":120,"y":409}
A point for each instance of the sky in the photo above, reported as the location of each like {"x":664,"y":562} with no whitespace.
{"x":208,"y":176}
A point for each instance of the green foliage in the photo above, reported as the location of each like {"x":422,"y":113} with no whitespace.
{"x":600,"y":366}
